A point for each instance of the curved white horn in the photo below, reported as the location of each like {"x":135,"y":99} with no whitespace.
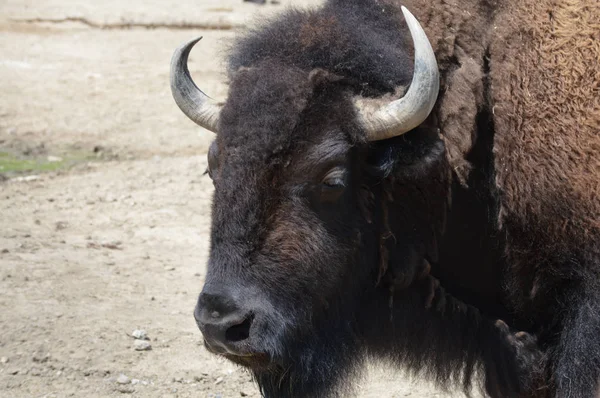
{"x":196,"y":105}
{"x":406,"y":113}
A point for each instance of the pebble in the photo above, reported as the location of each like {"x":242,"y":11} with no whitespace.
{"x":61,"y":225}
{"x":142,"y":345}
{"x":140,"y":334}
{"x":219,"y":380}
{"x":40,"y":356}
{"x":122,"y":379}
{"x":4,"y":360}
{"x":26,"y":178}
{"x":125,"y":389}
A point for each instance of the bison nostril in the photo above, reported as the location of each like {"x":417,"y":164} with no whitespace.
{"x":239,"y":332}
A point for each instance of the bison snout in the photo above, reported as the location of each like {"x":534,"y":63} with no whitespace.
{"x":223,"y":322}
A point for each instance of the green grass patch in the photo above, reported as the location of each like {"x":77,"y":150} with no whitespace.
{"x":11,"y":164}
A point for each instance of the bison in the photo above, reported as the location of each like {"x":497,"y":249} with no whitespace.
{"x":371,"y":202}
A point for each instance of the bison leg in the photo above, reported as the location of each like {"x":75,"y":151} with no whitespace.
{"x":575,"y":357}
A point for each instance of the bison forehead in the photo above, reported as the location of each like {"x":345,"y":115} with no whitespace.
{"x":264,"y":106}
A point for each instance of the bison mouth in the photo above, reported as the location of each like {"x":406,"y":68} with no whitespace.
{"x":253,"y":360}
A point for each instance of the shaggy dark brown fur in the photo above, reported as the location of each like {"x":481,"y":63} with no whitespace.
{"x":545,"y":73}
{"x":428,"y":238}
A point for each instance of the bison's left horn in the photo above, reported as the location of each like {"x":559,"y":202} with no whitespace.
{"x":191,"y":100}
{"x":406,"y":113}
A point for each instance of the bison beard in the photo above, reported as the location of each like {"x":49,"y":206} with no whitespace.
{"x":404,"y":316}
{"x":502,"y":209}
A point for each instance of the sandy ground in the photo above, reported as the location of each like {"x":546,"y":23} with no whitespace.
{"x":92,"y":252}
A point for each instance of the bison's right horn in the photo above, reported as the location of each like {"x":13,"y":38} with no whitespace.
{"x":406,"y":113}
{"x":196,"y":105}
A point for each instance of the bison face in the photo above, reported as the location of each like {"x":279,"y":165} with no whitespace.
{"x":303,"y":228}
{"x":301,"y":213}
{"x":289,"y":222}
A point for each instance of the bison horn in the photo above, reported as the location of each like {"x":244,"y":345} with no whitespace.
{"x":406,"y":113}
{"x":196,"y":105}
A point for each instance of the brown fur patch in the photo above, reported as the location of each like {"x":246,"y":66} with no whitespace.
{"x":546,"y":89}
{"x":459,"y":33}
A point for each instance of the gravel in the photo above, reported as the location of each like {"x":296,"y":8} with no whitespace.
{"x":122,"y":379}
{"x":140,"y":334}
{"x":142,"y":345}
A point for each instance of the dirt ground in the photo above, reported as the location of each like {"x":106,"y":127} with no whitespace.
{"x":104,"y":211}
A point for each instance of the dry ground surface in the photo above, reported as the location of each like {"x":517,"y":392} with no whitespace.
{"x":104,"y":211}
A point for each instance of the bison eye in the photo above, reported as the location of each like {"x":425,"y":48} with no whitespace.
{"x":333,"y":184}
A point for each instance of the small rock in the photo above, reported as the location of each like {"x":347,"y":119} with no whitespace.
{"x":125,"y":389}
{"x":26,"y":178}
{"x":60,"y":225}
{"x":243,"y":394}
{"x":5,"y":251}
{"x":40,"y":356}
{"x":140,"y":334}
{"x":142,"y":345}
{"x":116,"y":245}
{"x":4,"y":360}
{"x":135,"y":381}
{"x":13,"y":372}
{"x":54,"y":159}
{"x":122,"y":379}
{"x":170,"y":268}
{"x":219,"y":380}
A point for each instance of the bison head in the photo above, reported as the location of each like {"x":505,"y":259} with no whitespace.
{"x":313,"y":199}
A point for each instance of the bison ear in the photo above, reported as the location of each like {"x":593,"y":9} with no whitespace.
{"x":410,"y":156}
{"x":319,"y":77}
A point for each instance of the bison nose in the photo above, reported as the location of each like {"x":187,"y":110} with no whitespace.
{"x":223,"y":323}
